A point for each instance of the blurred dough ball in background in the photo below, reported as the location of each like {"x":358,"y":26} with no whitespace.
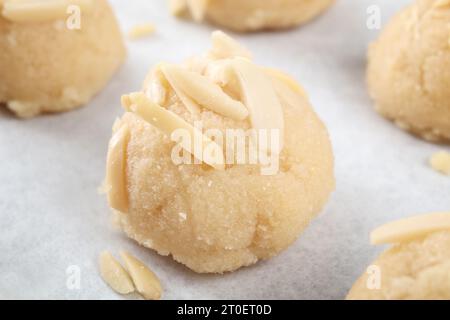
{"x":251,"y":15}
{"x":417,"y":267}
{"x":45,"y":66}
{"x":217,"y":220}
{"x":409,"y":70}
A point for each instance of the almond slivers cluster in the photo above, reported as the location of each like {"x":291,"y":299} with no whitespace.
{"x":168,"y":122}
{"x":200,"y":84}
{"x":135,"y":275}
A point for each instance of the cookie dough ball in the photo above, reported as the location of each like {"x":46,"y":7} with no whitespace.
{"x":409,"y":70}
{"x":417,"y":267}
{"x":252,"y":15}
{"x":215,"y":217}
{"x":46,"y":63}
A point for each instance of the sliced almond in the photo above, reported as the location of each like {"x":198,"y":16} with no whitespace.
{"x":116,"y":125}
{"x":260,"y":98}
{"x":291,"y":83}
{"x":141,"y":30}
{"x":116,"y":170}
{"x":411,"y":228}
{"x":198,"y":8}
{"x":206,"y":93}
{"x":177,"y":7}
{"x":114,"y":274}
{"x":146,"y":282}
{"x":189,"y":103}
{"x":196,"y":64}
{"x":156,"y":86}
{"x":168,"y":122}
{"x":220,"y":72}
{"x":440,"y":162}
{"x":442,"y":4}
{"x":41,"y":10}
{"x":224,"y":47}
{"x":285,"y":93}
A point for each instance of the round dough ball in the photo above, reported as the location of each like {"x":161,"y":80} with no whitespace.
{"x":216,"y":221}
{"x":253,"y":15}
{"x":417,"y":270}
{"x":46,"y":67}
{"x":409,"y":70}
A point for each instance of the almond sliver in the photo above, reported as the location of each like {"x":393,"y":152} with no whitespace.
{"x":206,"y":93}
{"x":177,"y":7}
{"x":146,"y":282}
{"x":116,"y":163}
{"x":411,"y":228}
{"x":198,"y":8}
{"x":168,"y":122}
{"x":291,"y":83}
{"x":189,"y":103}
{"x":440,"y":162}
{"x":225,"y":47}
{"x":114,"y":274}
{"x":260,"y":98}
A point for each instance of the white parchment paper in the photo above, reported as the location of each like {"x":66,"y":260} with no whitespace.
{"x":53,"y":221}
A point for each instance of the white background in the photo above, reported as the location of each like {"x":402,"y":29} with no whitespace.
{"x":51,"y":216}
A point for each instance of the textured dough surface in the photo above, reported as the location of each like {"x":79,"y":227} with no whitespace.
{"x":46,"y":67}
{"x":409,"y":70}
{"x":217,"y":221}
{"x":418,"y":269}
{"x":253,"y":15}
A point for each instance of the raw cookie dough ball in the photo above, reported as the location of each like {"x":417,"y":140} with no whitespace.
{"x":252,"y":15}
{"x":409,"y":70}
{"x":417,"y":267}
{"x":212,"y":218}
{"x":47,"y":67}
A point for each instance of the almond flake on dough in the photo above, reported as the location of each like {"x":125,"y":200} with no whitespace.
{"x":224,"y":47}
{"x":411,"y":228}
{"x":116,"y":170}
{"x":177,"y":7}
{"x":198,"y":8}
{"x":189,"y":103}
{"x":156,"y":86}
{"x":442,"y":4}
{"x":220,"y":72}
{"x":206,"y":93}
{"x":260,"y":98}
{"x":291,"y":83}
{"x":168,"y":122}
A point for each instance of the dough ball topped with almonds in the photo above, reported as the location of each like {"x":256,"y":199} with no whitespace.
{"x":56,"y":54}
{"x":251,"y":15}
{"x":409,"y":70}
{"x":418,"y":265}
{"x":218,"y":162}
